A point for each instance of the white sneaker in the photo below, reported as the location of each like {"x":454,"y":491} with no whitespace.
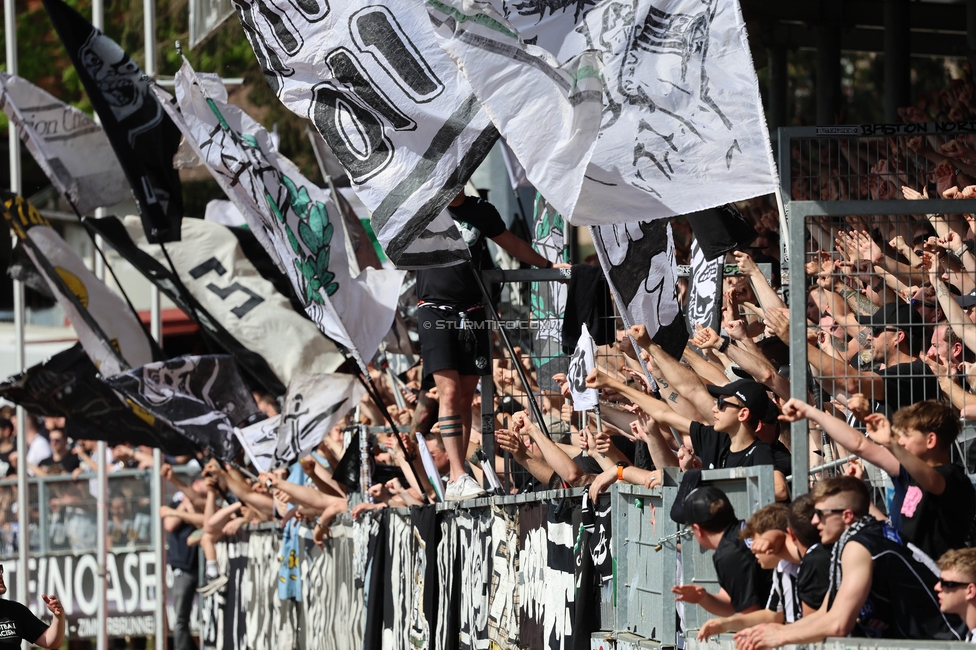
{"x":463,"y":488}
{"x":213,"y":586}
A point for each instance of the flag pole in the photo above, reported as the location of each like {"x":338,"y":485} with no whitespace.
{"x":533,"y":406}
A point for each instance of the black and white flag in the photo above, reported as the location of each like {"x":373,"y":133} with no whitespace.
{"x":68,"y":145}
{"x":67,"y":385}
{"x":237,"y":309}
{"x":296,"y":221}
{"x":704,"y":290}
{"x":391,"y":104}
{"x":582,"y":363}
{"x":638,"y":260}
{"x":144,"y":138}
{"x":201,"y":397}
{"x":313,"y":405}
{"x":108,"y":330}
{"x":681,"y":107}
{"x":259,"y":441}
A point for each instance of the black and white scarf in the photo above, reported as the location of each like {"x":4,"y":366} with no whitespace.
{"x":838,"y":550}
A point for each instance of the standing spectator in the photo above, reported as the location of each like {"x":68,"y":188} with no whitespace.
{"x":61,"y":461}
{"x":38,"y":448}
{"x":18,"y":624}
{"x":957,"y":586}
{"x":180,"y":519}
{"x":454,"y":341}
{"x":8,"y":446}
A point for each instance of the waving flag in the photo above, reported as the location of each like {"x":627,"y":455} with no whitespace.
{"x":259,"y":441}
{"x":237,"y":309}
{"x":67,"y":385}
{"x":109,"y":331}
{"x":68,"y":145}
{"x":395,"y":110}
{"x":582,"y":364}
{"x":143,"y":137}
{"x":704,"y":290}
{"x":313,"y":405}
{"x":298,"y":222}
{"x":200,"y":397}
{"x":682,"y":125}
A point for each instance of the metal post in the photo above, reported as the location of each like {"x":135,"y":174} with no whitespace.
{"x":897,"y":65}
{"x":101,"y":584}
{"x":23,"y":505}
{"x":799,"y":431}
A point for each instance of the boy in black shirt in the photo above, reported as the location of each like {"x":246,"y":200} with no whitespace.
{"x":17,"y":623}
{"x":745,"y":585}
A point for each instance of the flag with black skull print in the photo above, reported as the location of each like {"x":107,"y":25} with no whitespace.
{"x":201,"y":397}
{"x":68,"y":145}
{"x":393,"y":107}
{"x":582,"y":363}
{"x":704,"y":290}
{"x":297,"y":222}
{"x":143,"y":137}
{"x":313,"y":405}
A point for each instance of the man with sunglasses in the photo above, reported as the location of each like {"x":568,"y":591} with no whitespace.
{"x":957,"y":586}
{"x":17,"y":623}
{"x":877,"y":588}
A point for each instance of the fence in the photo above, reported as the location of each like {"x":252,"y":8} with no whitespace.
{"x":844,"y":179}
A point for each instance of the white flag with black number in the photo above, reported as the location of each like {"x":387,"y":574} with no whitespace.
{"x":298,"y":222}
{"x":313,"y":405}
{"x":69,"y":146}
{"x":259,"y":441}
{"x":393,"y":107}
{"x":580,"y":365}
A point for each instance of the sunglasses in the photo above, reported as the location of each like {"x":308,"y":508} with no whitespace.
{"x":822,"y":514}
{"x":721,"y":404}
{"x":881,"y":329}
{"x":952,"y":584}
{"x":916,"y":303}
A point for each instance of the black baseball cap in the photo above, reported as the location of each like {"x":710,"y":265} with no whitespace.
{"x":967,"y":300}
{"x":698,"y":507}
{"x":902,"y":316}
{"x":751,"y":393}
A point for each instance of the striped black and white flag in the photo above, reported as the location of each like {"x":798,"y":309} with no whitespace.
{"x":107,"y":329}
{"x":69,"y":146}
{"x":391,"y":104}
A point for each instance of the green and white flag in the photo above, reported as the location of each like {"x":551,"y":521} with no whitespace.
{"x":297,"y":222}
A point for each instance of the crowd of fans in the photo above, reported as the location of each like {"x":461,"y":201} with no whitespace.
{"x":891,"y":341}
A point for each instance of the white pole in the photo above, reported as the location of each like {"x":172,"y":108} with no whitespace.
{"x":156,"y":327}
{"x":23,"y":534}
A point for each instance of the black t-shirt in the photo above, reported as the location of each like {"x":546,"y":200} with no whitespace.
{"x":478,"y":221}
{"x":934,"y":523}
{"x":178,"y":554}
{"x":739,"y":574}
{"x":782,"y":459}
{"x":67,"y":464}
{"x":907,"y":383}
{"x":18,"y":623}
{"x":814,"y":578}
{"x":715,"y":449}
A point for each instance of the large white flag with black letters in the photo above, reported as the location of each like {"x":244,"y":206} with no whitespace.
{"x":391,"y":104}
{"x":298,"y":221}
{"x":69,"y":146}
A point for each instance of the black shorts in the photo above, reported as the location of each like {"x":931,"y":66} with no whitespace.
{"x":445,"y":345}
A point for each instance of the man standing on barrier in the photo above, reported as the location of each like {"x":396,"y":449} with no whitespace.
{"x":17,"y":623}
{"x":454,"y":341}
